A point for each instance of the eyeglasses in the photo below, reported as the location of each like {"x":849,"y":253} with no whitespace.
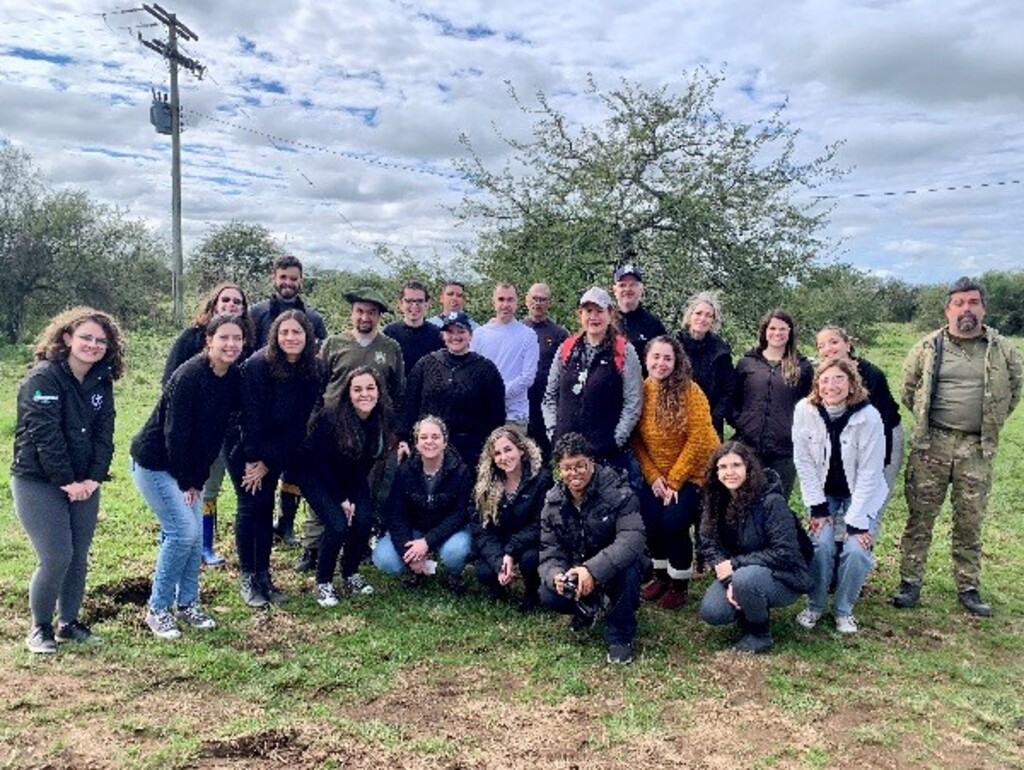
{"x":575,"y":469}
{"x":839,"y":379}
{"x":88,"y":339}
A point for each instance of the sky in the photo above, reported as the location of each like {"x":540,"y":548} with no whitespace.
{"x":335,"y":125}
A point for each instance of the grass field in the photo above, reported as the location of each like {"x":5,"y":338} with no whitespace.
{"x":402,"y":679}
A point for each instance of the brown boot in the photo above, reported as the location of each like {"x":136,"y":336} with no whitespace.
{"x":653,"y":590}
{"x":676,"y":596}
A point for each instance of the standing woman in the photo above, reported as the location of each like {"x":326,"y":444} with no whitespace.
{"x":833,"y":342}
{"x":461,"y":387}
{"x":710,"y":356}
{"x":171,"y":458}
{"x":770,"y":379}
{"x":223,"y":299}
{"x":672,"y":442}
{"x":839,"y":450}
{"x":511,"y":482}
{"x":751,"y":538}
{"x":428,"y":510}
{"x":595,"y":386}
{"x":346,"y":439}
{"x":280,"y":386}
{"x":63,"y":445}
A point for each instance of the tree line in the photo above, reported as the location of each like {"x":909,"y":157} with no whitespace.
{"x":664,"y":180}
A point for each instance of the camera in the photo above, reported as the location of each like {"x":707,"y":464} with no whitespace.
{"x":571,"y":585}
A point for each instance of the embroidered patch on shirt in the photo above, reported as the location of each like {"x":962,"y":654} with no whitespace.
{"x":97,"y":400}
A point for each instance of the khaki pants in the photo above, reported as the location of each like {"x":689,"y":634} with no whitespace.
{"x":953,"y":459}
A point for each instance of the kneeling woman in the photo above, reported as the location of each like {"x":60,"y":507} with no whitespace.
{"x":171,"y":459}
{"x":280,"y":385}
{"x":839,"y":451}
{"x":511,"y":482}
{"x":345,"y":441}
{"x":428,"y":510}
{"x":751,"y":538}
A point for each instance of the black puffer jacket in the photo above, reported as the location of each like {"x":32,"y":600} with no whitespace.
{"x":518,"y":528}
{"x":766,"y":536}
{"x":711,"y":360}
{"x":882,"y":399}
{"x":763,"y":403}
{"x":65,"y":429}
{"x":606,"y":536}
{"x":438,"y":515}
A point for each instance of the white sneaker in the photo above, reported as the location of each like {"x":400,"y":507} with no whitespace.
{"x":808,"y":618}
{"x":162,"y":624}
{"x":325,"y":595}
{"x":846,"y":624}
{"x":355,"y":584}
{"x":195,"y":617}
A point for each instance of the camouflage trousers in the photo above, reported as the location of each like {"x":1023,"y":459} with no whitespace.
{"x":952,"y":459}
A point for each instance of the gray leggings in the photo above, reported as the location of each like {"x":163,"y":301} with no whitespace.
{"x":61,"y":533}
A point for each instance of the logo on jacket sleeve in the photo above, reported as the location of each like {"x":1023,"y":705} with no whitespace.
{"x":44,"y":398}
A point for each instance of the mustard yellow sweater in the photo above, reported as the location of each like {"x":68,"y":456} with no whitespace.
{"x":661,"y":451}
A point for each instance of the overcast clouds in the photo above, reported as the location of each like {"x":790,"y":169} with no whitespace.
{"x":925,"y":95}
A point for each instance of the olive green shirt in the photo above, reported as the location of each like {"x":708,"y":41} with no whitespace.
{"x":343,"y":353}
{"x":960,"y":388}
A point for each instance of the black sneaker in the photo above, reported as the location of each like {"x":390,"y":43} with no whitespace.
{"x":271,"y":592}
{"x":620,"y":654}
{"x":77,"y":632}
{"x":40,"y":639}
{"x":974,"y":604}
{"x":907,"y":595}
{"x":306,"y":562}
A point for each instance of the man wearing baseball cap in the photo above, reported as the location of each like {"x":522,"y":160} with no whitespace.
{"x":639,"y":324}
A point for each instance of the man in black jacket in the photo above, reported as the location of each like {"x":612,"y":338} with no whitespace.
{"x":592,"y":551}
{"x":639,"y":324}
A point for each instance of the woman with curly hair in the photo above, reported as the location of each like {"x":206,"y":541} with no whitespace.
{"x":710,"y":355}
{"x":839,"y":449}
{"x":752,"y":539}
{"x":280,"y":386}
{"x":508,"y":496}
{"x":346,"y":439}
{"x":595,"y":386}
{"x":225,"y":298}
{"x":63,"y":445}
{"x":672,"y":443}
{"x":770,"y":379}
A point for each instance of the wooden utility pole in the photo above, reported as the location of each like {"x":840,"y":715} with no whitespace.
{"x":169,"y":51}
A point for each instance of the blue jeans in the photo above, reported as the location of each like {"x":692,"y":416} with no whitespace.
{"x":756,"y":591}
{"x":181,"y":539}
{"x":855,"y":563}
{"x":454,"y":552}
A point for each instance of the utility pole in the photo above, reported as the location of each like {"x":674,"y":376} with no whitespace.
{"x":169,"y":51}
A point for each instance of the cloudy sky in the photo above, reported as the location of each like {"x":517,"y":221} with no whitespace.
{"x":926,"y":96}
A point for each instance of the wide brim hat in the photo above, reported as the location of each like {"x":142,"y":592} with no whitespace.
{"x":365,"y":294}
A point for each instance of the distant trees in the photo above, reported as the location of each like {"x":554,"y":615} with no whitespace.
{"x":242,"y":252}
{"x":61,"y":248}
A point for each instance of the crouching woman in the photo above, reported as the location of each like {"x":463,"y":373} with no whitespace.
{"x":752,"y":539}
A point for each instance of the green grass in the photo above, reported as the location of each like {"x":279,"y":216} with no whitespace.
{"x":417,"y":678}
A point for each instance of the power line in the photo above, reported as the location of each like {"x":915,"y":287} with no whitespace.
{"x":67,"y":16}
{"x":921,"y":191}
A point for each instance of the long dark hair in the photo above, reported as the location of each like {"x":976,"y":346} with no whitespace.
{"x":305,"y":367}
{"x":790,"y":356}
{"x":350,"y":431}
{"x":721,"y":504}
{"x":670,"y":406}
{"x":208,"y":309}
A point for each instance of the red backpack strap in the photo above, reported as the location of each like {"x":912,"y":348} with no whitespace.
{"x":566,"y":347}
{"x":620,"y":353}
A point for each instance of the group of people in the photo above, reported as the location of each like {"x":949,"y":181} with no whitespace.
{"x":589,"y":465}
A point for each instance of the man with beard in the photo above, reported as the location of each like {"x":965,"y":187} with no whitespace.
{"x":549,"y":336}
{"x":961,"y":383}
{"x":638,"y":323}
{"x":286,"y":278}
{"x":362,"y":345}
